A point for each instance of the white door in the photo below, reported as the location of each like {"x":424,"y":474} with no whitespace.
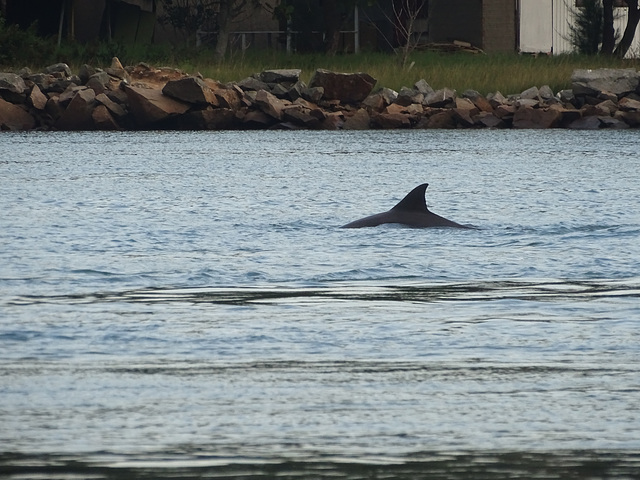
{"x":536,"y":26}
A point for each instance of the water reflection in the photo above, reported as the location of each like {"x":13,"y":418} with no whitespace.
{"x":464,"y":291}
{"x":477,"y":465}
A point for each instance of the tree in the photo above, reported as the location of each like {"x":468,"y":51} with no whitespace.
{"x":633,"y":18}
{"x":586,"y":31}
{"x":608,"y":31}
{"x":404,"y":15}
{"x":193,"y":17}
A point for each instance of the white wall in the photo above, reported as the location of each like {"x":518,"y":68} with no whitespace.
{"x":544,"y":26}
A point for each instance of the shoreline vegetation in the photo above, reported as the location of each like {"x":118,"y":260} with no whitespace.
{"x":459,"y":90}
{"x":460,"y":71}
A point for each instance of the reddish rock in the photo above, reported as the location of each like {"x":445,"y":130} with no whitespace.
{"x":113,"y":107}
{"x":489,"y":120}
{"x":150,"y":107}
{"x":332,"y":121}
{"x":37,"y":99}
{"x":480,"y":102}
{"x":440,"y":98}
{"x":441,"y":119}
{"x":505,"y":111}
{"x":360,"y":120}
{"x":102,"y":119}
{"x":630,"y":118}
{"x":346,"y":87}
{"x":190,"y":90}
{"x":226,"y":97}
{"x":78,"y":114}
{"x":586,"y":123}
{"x":629,"y":104}
{"x":465,"y":116}
{"x":13,"y":117}
{"x":256,"y":119}
{"x":270,"y":104}
{"x":527,"y":117}
{"x":392,"y":120}
{"x":299,"y":115}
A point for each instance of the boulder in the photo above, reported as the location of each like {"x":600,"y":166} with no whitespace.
{"x":117,"y":70}
{"x":300,"y":115}
{"x":312,"y":94}
{"x":478,"y":100}
{"x":631,"y":118}
{"x":360,"y":120}
{"x":423,"y":87}
{"x":113,"y":107}
{"x":13,"y":117}
{"x":226,"y":97}
{"x":59,"y":70}
{"x":489,"y":120}
{"x":407,"y":96}
{"x":586,"y":123}
{"x":616,"y":81}
{"x":37,"y":99}
{"x":280,"y":76}
{"x":527,"y":117}
{"x":70,"y":92}
{"x":102,"y":119}
{"x":629,"y":105}
{"x":465,"y":111}
{"x":441,"y":119}
{"x":256,"y":119}
{"x":190,"y":90}
{"x":613,"y":123}
{"x":77,"y":115}
{"x":346,"y":87}
{"x":150,"y":107}
{"x":546,"y":94}
{"x":392,"y":120}
{"x":12,"y":87}
{"x":270,"y":104}
{"x":531,"y":94}
{"x":440,"y":98}
{"x":99,"y":82}
{"x":332,"y":121}
{"x":252,"y":84}
{"x":85,"y":73}
{"x":496,"y":99}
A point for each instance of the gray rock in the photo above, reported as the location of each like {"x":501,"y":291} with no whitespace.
{"x":616,"y":81}
{"x":530,"y":94}
{"x":280,"y":76}
{"x":440,"y":98}
{"x":12,"y":87}
{"x":252,"y":84}
{"x":346,"y":87}
{"x":423,"y":87}
{"x":60,"y":68}
{"x":190,"y":90}
{"x":408,"y":96}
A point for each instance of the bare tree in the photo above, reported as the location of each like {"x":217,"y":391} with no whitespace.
{"x":214,"y":17}
{"x":633,"y":18}
{"x":608,"y":30}
{"x":405,"y":16}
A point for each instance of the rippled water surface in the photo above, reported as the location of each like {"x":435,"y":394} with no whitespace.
{"x":186,"y":305}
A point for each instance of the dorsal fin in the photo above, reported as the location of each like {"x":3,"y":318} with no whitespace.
{"x":414,"y":201}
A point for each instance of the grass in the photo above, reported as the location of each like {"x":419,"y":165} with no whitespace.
{"x":507,"y":73}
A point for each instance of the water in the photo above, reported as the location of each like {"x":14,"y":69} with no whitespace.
{"x":184,"y":305}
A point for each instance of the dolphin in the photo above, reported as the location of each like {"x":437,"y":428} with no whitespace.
{"x":411,"y":211}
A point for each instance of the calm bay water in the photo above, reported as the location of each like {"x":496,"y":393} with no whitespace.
{"x":178,"y":304}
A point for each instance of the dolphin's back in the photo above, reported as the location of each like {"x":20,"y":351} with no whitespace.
{"x":411,"y":211}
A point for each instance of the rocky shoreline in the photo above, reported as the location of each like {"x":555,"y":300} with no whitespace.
{"x":147,"y":98}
